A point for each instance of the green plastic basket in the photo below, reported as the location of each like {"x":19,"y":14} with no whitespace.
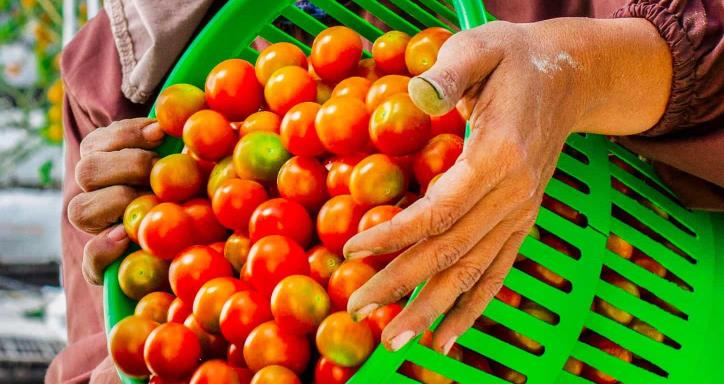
{"x":586,"y":158}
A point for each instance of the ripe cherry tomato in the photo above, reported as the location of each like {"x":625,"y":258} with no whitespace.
{"x":205,"y":166}
{"x":178,"y":311}
{"x":218,"y":246}
{"x":235,"y":200}
{"x":275,"y":374}
{"x":336,"y":52}
{"x":176,"y":178}
{"x":385,"y":87}
{"x":322,"y":263}
{"x":236,"y":250}
{"x":208,"y":230}
{"x":340,"y":170}
{"x":215,"y":372}
{"x":509,"y":297}
{"x":259,"y":155}
{"x":354,"y":86}
{"x":324,"y":92}
{"x":135,"y":212}
{"x":375,"y":216}
{"x":273,"y":258}
{"x":243,"y":312}
{"x":172,"y":351}
{"x":166,"y":230}
{"x":222,"y":171}
{"x":388,"y":52}
{"x":269,"y":344}
{"x":235,"y":355}
{"x":297,"y":130}
{"x":302,"y":179}
{"x":612,"y":349}
{"x":451,"y":122}
{"x":212,"y":346}
{"x":327,"y":372}
{"x":341,"y":125}
{"x":367,"y":69}
{"x":438,"y":155}
{"x":277,"y":56}
{"x":153,"y":379}
{"x":266,"y":121}
{"x":233,"y":90}
{"x":380,"y":317}
{"x":141,"y":273}
{"x":209,"y":135}
{"x":398,"y":127}
{"x":193,"y":267}
{"x":211,"y":298}
{"x":125,"y":343}
{"x":288,"y":87}
{"x":344,"y":341}
{"x":154,"y":306}
{"x":281,"y":217}
{"x":376,"y":180}
{"x":421,"y":51}
{"x":351,"y":275}
{"x":299,"y":304}
{"x":337,"y":222}
{"x":175,"y":104}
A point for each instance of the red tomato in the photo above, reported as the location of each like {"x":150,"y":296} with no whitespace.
{"x":176,"y":178}
{"x":341,"y":125}
{"x":398,"y":127}
{"x":281,"y":217}
{"x":172,"y":351}
{"x":374,"y":216}
{"x":367,"y":69}
{"x":351,"y":275}
{"x":175,"y":104}
{"x":211,"y":298}
{"x":233,"y":90}
{"x":178,"y":311}
{"x":212,"y":346}
{"x":235,"y":355}
{"x":509,"y":297}
{"x":222,"y":171}
{"x":299,"y":304}
{"x":302,"y":179}
{"x":166,"y":230}
{"x":327,"y":372}
{"x":269,"y":344}
{"x":218,"y":246}
{"x":141,"y":273}
{"x":389,"y":52}
{"x":260,"y":121}
{"x":243,"y":312}
{"x":135,"y":212}
{"x":380,"y":317}
{"x":422,"y":49}
{"x":340,"y":170}
{"x":376,"y":180}
{"x":277,"y":56}
{"x":215,"y":372}
{"x":125,"y":344}
{"x":158,"y":380}
{"x":275,"y":374}
{"x":192,"y":268}
{"x":612,"y":349}
{"x":235,"y":200}
{"x":324,"y":92}
{"x":259,"y":155}
{"x":208,"y":230}
{"x":344,"y":341}
{"x":297,"y":130}
{"x":288,"y":87}
{"x":322,"y":263}
{"x":354,"y":86}
{"x":437,"y":157}
{"x":451,"y":122}
{"x":336,"y":51}
{"x":385,"y":87}
{"x":154,"y":306}
{"x":209,"y":135}
{"x":273,"y":258}
{"x":337,"y":222}
{"x":236,"y":250}
{"x":205,"y":166}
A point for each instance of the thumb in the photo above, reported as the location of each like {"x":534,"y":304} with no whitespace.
{"x":464,"y":60}
{"x":102,"y":250}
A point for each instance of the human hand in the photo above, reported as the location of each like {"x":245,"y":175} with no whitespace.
{"x":525,"y":87}
{"x":115,"y":163}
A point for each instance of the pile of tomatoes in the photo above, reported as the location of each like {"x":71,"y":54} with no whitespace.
{"x":240,"y":276}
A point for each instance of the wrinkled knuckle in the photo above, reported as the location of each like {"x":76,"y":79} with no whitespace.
{"x":466,"y":276}
{"x":138,"y":162}
{"x":447,"y":253}
{"x":400,"y":290}
{"x":492,"y":285}
{"x":441,"y":217}
{"x":78,"y":209}
{"x":86,"y":172}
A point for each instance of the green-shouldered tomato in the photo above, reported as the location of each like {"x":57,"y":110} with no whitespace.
{"x":322,"y":263}
{"x":398,"y":127}
{"x":259,"y":155}
{"x":299,"y":304}
{"x":176,"y":178}
{"x":135,"y":212}
{"x":209,"y":135}
{"x":376,"y":180}
{"x":125,"y":344}
{"x":222,"y":171}
{"x":344,"y":341}
{"x":175,"y":104}
{"x":236,"y":250}
{"x":154,"y":306}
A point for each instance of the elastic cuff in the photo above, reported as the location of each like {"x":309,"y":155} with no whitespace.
{"x":683,"y":81}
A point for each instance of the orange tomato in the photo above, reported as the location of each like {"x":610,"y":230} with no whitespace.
{"x":336,"y":52}
{"x":302,"y":179}
{"x":288,"y":87}
{"x":269,"y":344}
{"x":398,"y":127}
{"x":438,"y":155}
{"x":154,"y":306}
{"x":209,"y":135}
{"x":125,"y":344}
{"x":172,"y":351}
{"x":235,"y":200}
{"x":299,"y":304}
{"x":242,"y":312}
{"x":324,"y":92}
{"x":322,"y":263}
{"x":451,"y":122}
{"x":236,"y":250}
{"x":276,"y":56}
{"x":376,"y":180}
{"x":343,"y":341}
{"x":327,"y":372}
{"x":215,"y":372}
{"x":275,"y":374}
{"x":222,"y":171}
{"x":340,"y":170}
{"x":208,"y":230}
{"x":166,"y":230}
{"x":352,"y":86}
{"x":135,"y":212}
{"x":297,"y":130}
{"x":260,"y":121}
{"x":422,"y":49}
{"x":385,"y":87}
{"x":341,"y":125}
{"x":175,"y":104}
{"x":351,"y":275}
{"x":212,"y":346}
{"x":233,"y":90}
{"x":337,"y":222}
{"x":367,"y":69}
{"x":192,"y":268}
{"x":388,"y":51}
{"x":210,"y":300}
{"x":176,"y":178}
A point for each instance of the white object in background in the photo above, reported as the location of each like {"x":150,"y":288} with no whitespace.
{"x":93,"y":7}
{"x":69,"y":20}
{"x":29,"y":226}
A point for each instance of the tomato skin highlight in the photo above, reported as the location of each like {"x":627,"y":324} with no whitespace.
{"x":176,"y":178}
{"x":343,"y":341}
{"x":126,"y":342}
{"x":341,"y":125}
{"x":388,"y":51}
{"x":193,"y":267}
{"x":287,"y":87}
{"x":299,"y":304}
{"x":241,"y":313}
{"x":383,"y":88}
{"x":268,"y":344}
{"x":398,"y":127}
{"x":265,"y":121}
{"x":281,"y":216}
{"x":273,"y":258}
{"x":422,"y":49}
{"x":438,"y":155}
{"x":207,"y":227}
{"x":209,"y":135}
{"x":327,"y":372}
{"x":351,"y":275}
{"x":233,"y":90}
{"x":172,"y":351}
{"x":174,"y":106}
{"x":297,"y":130}
{"x":166,"y":230}
{"x":235,"y":200}
{"x":303,"y":179}
{"x":276,"y":56}
{"x":337,"y":222}
{"x":354,"y":86}
{"x":376,"y":180}
{"x":336,"y":52}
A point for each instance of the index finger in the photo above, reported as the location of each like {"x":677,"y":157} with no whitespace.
{"x":142,"y":133}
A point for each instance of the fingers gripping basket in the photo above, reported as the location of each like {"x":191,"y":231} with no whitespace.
{"x":646,"y":216}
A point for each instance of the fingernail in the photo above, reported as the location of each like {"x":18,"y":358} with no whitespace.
{"x":364,"y":311}
{"x":118,"y":233}
{"x":448,"y":346}
{"x":152,"y":132}
{"x":358,"y":254}
{"x":400,"y":340}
